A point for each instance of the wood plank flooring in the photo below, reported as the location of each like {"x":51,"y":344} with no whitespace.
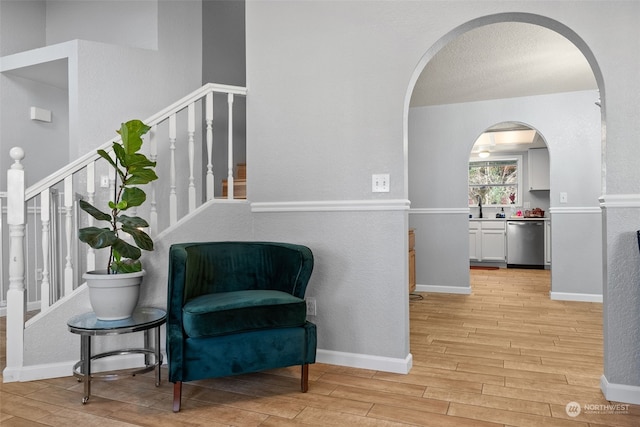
{"x":504,"y":356}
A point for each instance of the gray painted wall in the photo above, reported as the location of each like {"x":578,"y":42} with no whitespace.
{"x":22,"y":25}
{"x":125,"y":23}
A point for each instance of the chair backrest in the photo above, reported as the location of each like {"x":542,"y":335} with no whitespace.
{"x":210,"y":267}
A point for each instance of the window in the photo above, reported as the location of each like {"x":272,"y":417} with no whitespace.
{"x":497,"y":181}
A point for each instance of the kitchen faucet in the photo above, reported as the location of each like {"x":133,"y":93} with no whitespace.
{"x":480,"y":206}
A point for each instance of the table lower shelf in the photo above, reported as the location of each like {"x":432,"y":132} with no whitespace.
{"x":119,"y":373}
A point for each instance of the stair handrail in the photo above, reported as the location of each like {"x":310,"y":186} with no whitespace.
{"x":160,"y":116}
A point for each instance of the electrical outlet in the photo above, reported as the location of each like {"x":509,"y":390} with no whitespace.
{"x":380,"y":183}
{"x":311,"y":306}
{"x":563,"y":197}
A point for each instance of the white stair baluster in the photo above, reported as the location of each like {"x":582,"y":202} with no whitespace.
{"x":16,"y":296}
{"x":173,"y":203}
{"x":230,"y":149}
{"x":68,"y":229}
{"x":209,"y":120}
{"x":45,"y":291}
{"x":153,"y":156}
{"x":191,"y":129}
{"x":91,"y":191}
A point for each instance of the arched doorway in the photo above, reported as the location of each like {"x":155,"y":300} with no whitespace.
{"x":439,"y":137}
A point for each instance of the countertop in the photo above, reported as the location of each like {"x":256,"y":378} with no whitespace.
{"x":517,"y":218}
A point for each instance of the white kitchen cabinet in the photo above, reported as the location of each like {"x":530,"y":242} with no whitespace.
{"x":487,"y":241}
{"x":493,"y":244}
{"x":475,"y":247}
{"x":538,"y":169}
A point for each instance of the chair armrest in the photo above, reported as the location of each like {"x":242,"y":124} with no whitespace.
{"x":175,"y":298}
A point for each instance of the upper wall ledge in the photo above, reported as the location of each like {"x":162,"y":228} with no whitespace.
{"x":48,"y":64}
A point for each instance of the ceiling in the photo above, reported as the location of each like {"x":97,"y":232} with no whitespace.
{"x":503,"y":60}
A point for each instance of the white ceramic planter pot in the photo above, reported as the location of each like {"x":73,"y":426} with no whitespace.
{"x":113,"y":296}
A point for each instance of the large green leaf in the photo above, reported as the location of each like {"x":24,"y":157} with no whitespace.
{"x":133,"y":196}
{"x":141,"y":238}
{"x":132,"y":221}
{"x":138,"y":160}
{"x":131,"y":133}
{"x":94,"y":212}
{"x":126,"y":250}
{"x":97,"y":238}
{"x":140,"y":177}
{"x":126,"y":266}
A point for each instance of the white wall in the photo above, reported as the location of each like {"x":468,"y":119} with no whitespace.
{"x":440,"y":140}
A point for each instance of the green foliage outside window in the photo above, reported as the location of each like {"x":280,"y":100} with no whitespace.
{"x":495,"y":182}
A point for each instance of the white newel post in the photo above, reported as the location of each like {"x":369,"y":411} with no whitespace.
{"x":16,"y":296}
{"x":209,"y":120}
{"x":230,"y":148}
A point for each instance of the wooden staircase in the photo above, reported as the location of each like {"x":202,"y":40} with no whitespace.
{"x":239,"y":183}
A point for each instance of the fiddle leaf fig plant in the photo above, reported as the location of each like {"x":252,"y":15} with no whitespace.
{"x":132,"y":168}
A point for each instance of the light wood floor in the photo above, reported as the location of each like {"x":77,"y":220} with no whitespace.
{"x":504,"y":356}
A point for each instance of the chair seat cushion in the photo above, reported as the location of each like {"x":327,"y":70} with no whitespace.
{"x":239,"y":311}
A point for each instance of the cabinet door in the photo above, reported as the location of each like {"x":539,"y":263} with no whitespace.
{"x":538,"y":169}
{"x":493,"y":245}
{"x":474,"y":245}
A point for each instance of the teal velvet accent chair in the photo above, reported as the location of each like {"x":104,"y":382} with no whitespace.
{"x":235,"y":308}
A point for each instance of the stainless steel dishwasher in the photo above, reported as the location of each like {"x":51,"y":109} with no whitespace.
{"x":525,"y":244}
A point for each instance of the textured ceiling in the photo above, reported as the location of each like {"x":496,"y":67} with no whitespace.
{"x":503,"y":60}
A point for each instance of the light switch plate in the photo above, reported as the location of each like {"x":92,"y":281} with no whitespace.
{"x":380,"y":183}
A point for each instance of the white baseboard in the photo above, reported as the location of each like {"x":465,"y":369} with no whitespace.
{"x":37,"y":372}
{"x":620,"y":392}
{"x":566,"y":296}
{"x":365,"y":361}
{"x":65,"y":369}
{"x":464,"y":290}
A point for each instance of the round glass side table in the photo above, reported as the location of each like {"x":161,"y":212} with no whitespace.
{"x":87,"y":325}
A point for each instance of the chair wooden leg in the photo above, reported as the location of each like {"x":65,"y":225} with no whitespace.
{"x":304,"y":382}
{"x":177,"y":395}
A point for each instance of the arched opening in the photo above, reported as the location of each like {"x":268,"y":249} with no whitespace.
{"x":438,"y":139}
{"x":508,"y":197}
